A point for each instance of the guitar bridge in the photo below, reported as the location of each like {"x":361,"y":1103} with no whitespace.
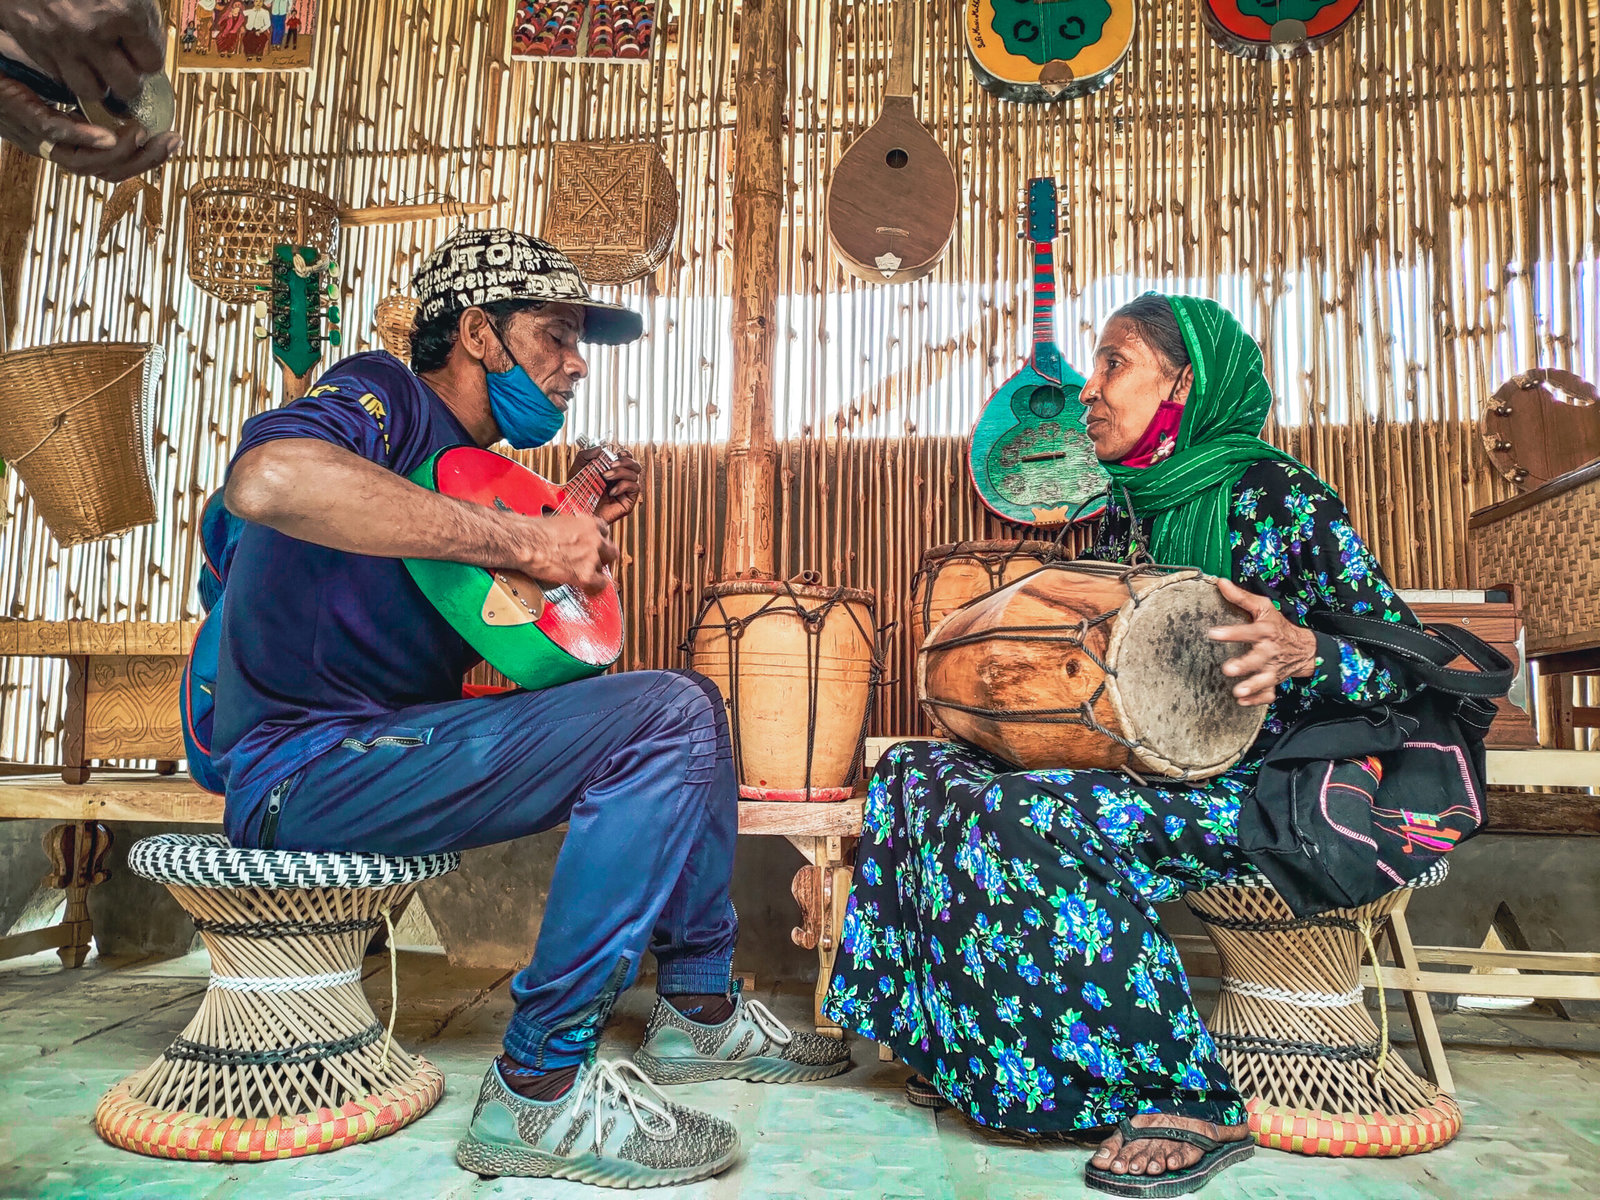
{"x":512,"y":600}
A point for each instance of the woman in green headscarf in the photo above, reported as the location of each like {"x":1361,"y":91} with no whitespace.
{"x":1002,"y":935}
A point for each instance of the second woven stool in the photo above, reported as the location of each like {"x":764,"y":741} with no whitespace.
{"x":285,"y":1056}
{"x":1292,"y":1027}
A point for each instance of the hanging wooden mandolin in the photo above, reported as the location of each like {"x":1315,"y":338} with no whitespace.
{"x":1266,"y":29}
{"x":535,"y":636}
{"x":1030,"y":457}
{"x":893,"y":199}
{"x":1033,"y":51}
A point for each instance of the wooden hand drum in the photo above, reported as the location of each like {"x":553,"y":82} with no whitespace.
{"x":1092,"y":665}
{"x":952,"y":574}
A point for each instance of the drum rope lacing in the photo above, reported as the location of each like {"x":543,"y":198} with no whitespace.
{"x":1077,"y":637}
{"x":813,"y":618}
{"x":994,"y":562}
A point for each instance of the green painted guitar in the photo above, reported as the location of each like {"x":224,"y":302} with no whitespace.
{"x":1030,"y":458}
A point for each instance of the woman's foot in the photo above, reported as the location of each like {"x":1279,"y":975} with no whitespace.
{"x":1155,"y":1156}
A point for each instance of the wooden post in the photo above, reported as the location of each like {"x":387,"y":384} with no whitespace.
{"x":19,"y":189}
{"x":760,"y":89}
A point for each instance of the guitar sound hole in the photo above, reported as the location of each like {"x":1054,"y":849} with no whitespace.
{"x":897,"y":158}
{"x":1025,"y":31}
{"x":1073,"y":27}
{"x":1047,"y":402}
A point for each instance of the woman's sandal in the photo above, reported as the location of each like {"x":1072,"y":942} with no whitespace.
{"x":1215,"y":1156}
{"x":923,"y":1094}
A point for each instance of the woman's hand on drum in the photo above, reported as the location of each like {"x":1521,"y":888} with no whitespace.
{"x":1278,"y":648}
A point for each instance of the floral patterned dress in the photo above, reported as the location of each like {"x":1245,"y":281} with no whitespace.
{"x":1002,"y":934}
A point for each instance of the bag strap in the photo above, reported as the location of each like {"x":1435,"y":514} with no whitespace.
{"x":1427,"y":652}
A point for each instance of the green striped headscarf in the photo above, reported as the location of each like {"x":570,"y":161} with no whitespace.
{"x":1190,"y":493}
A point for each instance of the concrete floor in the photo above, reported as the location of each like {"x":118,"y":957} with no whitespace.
{"x":1530,"y":1090}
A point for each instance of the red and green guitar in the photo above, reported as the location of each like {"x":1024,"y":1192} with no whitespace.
{"x":1277,"y":28}
{"x":1031,"y":459}
{"x":535,"y":636}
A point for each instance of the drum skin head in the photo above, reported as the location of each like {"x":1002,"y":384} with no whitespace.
{"x":1191,"y":725}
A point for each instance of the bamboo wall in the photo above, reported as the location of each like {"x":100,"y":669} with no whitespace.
{"x":1403,"y":220}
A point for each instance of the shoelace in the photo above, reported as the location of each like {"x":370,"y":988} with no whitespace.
{"x":775,"y":1029}
{"x":606,"y":1085}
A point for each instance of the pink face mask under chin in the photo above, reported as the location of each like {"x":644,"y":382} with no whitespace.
{"x":1159,"y":439}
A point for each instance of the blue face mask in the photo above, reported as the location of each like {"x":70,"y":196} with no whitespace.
{"x":526,"y":416}
{"x":524,"y":413}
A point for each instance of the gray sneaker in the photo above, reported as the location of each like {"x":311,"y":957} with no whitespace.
{"x":751,"y":1044}
{"x":611,"y":1128}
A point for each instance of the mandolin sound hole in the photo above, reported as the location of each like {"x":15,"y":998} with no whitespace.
{"x":897,"y":158}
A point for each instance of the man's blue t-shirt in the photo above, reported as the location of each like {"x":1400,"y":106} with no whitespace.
{"x":316,"y":642}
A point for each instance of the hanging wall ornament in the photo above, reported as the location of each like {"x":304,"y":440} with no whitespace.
{"x":1540,"y":425}
{"x":1031,"y":51}
{"x":394,"y":319}
{"x":1267,"y":29}
{"x":612,"y":209}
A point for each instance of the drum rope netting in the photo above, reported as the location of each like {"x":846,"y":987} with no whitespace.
{"x":995,"y":563}
{"x":813,"y":618}
{"x":1076,"y":637}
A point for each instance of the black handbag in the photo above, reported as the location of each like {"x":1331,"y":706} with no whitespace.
{"x":1352,"y":803}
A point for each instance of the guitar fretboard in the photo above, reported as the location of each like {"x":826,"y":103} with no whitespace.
{"x":1044,"y":294}
{"x":584,"y":490}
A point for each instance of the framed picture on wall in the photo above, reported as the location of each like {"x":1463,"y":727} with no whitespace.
{"x":244,"y":35}
{"x":610,"y":31}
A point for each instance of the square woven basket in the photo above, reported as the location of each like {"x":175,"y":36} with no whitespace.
{"x":1547,"y":543}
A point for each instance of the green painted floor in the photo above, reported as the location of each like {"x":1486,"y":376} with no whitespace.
{"x":1529,"y":1086}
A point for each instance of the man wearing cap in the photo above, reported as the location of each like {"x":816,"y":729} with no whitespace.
{"x":339,"y":722}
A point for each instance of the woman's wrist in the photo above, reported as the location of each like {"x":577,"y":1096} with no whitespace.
{"x":1307,"y":658}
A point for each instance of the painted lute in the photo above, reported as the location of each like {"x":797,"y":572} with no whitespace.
{"x":535,"y":636}
{"x":1268,"y":29}
{"x":893,"y":199}
{"x":1034,"y":51}
{"x":1030,"y":458}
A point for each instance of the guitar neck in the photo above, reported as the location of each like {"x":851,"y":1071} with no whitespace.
{"x":1044,"y":296}
{"x":585,"y":489}
{"x":900,"y":79}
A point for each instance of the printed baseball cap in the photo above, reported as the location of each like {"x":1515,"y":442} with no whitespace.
{"x":481,"y":266}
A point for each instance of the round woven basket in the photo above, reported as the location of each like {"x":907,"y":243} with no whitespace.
{"x":232,"y":224}
{"x":76,"y":422}
{"x":394,"y":319}
{"x":611,"y":209}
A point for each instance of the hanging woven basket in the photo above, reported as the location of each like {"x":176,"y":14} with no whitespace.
{"x":394,"y":319}
{"x":76,"y":423}
{"x":232,"y":224}
{"x":612,"y":209}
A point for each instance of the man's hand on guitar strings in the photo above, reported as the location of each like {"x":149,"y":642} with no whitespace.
{"x":623,"y":490}
{"x":571,"y":549}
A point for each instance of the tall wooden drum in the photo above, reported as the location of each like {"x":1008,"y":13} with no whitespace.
{"x":952,"y":574}
{"x":1092,"y":665}
{"x":797,"y":665}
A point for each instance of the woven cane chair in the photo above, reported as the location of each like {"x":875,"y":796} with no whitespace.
{"x":285,"y":1056}
{"x":1293,"y":1029}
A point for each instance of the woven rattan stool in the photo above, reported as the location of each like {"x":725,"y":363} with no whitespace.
{"x":1293,"y":1029}
{"x":285,"y":1056}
